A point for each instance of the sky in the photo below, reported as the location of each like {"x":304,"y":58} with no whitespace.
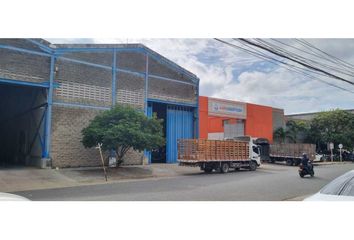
{"x":233,"y":74}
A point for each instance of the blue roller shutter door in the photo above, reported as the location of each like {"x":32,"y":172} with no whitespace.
{"x":179,"y":126}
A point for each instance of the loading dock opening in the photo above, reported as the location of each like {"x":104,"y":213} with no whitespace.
{"x":178,"y":123}
{"x":22,"y":121}
{"x":159,"y":155}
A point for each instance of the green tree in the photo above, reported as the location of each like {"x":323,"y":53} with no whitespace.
{"x":335,"y":126}
{"x":280,"y":134}
{"x":123,"y":128}
{"x":296,"y":130}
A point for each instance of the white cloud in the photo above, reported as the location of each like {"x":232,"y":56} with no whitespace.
{"x":283,"y":89}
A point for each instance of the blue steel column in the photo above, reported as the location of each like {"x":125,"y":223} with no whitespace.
{"x":197,"y":132}
{"x":49,"y":109}
{"x":146,"y":153}
{"x":114,"y":66}
{"x":146,"y":84}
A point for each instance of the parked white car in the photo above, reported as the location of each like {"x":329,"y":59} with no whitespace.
{"x":11,"y":197}
{"x":318,"y":158}
{"x":340,"y":189}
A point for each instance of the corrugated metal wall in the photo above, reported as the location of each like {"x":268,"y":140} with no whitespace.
{"x":179,"y":126}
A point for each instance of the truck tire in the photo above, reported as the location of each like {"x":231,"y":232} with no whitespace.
{"x":224,"y":167}
{"x":208,"y":170}
{"x":289,"y":162}
{"x":253,"y":166}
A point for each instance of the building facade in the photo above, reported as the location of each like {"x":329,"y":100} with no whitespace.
{"x":50,"y":92}
{"x":221,"y":119}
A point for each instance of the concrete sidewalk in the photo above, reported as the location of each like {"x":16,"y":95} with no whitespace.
{"x":19,"y":179}
{"x":25,"y":178}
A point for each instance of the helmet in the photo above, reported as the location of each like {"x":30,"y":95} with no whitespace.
{"x":304,"y":155}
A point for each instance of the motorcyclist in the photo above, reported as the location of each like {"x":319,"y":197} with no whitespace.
{"x":305,"y":162}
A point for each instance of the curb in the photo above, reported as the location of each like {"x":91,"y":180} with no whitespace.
{"x":330,"y":163}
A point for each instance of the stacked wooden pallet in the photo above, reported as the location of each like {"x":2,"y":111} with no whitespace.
{"x":293,"y":150}
{"x":212,"y":150}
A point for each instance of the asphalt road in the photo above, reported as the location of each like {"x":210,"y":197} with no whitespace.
{"x":268,"y":183}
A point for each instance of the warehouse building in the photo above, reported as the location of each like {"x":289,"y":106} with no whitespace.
{"x":220,"y":118}
{"x":50,"y":92}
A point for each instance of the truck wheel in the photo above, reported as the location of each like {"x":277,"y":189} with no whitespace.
{"x":224,"y":168}
{"x":253,"y":166}
{"x":289,"y":162}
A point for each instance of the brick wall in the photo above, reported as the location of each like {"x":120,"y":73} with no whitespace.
{"x":133,"y":61}
{"x":23,"y":66}
{"x":20,"y":43}
{"x":67,"y":149}
{"x":171,"y":91}
{"x":102,"y":58}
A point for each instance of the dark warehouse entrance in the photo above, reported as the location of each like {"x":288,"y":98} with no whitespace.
{"x":22,"y":125}
{"x":159,"y":155}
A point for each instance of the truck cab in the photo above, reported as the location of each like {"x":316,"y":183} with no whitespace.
{"x":254,"y":148}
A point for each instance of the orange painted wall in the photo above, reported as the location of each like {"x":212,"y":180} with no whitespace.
{"x":215,"y":123}
{"x":209,"y":124}
{"x":203,"y":117}
{"x":259,"y":122}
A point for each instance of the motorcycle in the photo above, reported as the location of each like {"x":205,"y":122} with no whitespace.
{"x":306,"y":171}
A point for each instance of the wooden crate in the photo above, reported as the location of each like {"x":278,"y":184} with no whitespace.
{"x":212,"y":150}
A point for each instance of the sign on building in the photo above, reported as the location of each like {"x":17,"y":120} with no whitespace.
{"x":224,"y":108}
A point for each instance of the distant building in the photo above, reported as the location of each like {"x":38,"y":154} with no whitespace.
{"x":307,"y":116}
{"x":220,"y":118}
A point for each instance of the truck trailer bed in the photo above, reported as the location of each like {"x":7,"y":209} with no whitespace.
{"x":203,"y":150}
{"x":217,"y":155}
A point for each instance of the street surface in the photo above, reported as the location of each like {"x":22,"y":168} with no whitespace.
{"x":271,"y":182}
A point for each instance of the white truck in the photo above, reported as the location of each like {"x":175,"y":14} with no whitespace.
{"x":219,"y":155}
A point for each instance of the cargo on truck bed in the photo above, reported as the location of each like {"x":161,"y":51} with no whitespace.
{"x":220,"y":155}
{"x":290,"y":153}
{"x":293,"y":150}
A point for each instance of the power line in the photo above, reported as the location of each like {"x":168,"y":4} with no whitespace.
{"x":329,"y":55}
{"x":295,"y":56}
{"x":277,"y":60}
{"x":285,"y":65}
{"x":294,"y":60}
{"x":344,"y":70}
